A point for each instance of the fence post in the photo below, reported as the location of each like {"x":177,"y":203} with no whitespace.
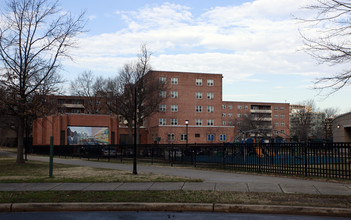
{"x":305,"y":148}
{"x":194,"y":153}
{"x":51,"y":156}
{"x":223,"y":155}
{"x":259,"y":157}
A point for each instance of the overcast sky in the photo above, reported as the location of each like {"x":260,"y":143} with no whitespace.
{"x":255,"y":45}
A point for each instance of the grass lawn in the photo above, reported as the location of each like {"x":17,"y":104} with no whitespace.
{"x":34,"y":171}
{"x":178,"y":196}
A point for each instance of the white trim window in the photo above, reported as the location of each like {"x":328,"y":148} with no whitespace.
{"x":210,"y":95}
{"x":198,"y":95}
{"x":163,"y":94}
{"x":162,"y":121}
{"x":210,"y":137}
{"x":174,"y":94}
{"x":162,"y":80}
{"x":210,"y":108}
{"x":174,"y":81}
{"x":174,"y":108}
{"x":210,"y":82}
{"x":171,"y":137}
{"x":198,"y":108}
{"x":174,"y":121}
{"x":198,"y":122}
{"x":210,"y":122}
{"x":198,"y":82}
{"x":162,"y":107}
{"x":222,"y":137}
{"x":183,"y":137}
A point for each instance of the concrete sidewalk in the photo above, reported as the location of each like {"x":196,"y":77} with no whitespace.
{"x":191,"y":186}
{"x":212,"y":181}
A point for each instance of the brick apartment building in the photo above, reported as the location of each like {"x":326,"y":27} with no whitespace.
{"x":195,"y":98}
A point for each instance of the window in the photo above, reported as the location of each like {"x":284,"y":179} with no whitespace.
{"x":282,"y":108}
{"x":246,"y":107}
{"x":210,"y":95}
{"x":198,"y":108}
{"x":197,"y":135}
{"x":230,"y":115}
{"x":183,"y":137}
{"x":210,"y":122}
{"x":198,"y":122}
{"x":282,"y":124}
{"x":239,"y":106}
{"x":162,"y":80}
{"x":275,"y":116}
{"x":230,"y":122}
{"x":276,"y":124}
{"x":171,"y":137}
{"x":223,"y":106}
{"x":210,"y":108}
{"x":174,"y":108}
{"x":210,"y":137}
{"x":239,"y":115}
{"x":282,"y":131}
{"x":75,"y":111}
{"x":210,"y":82}
{"x":223,"y":114}
{"x":174,"y":81}
{"x":162,"y":121}
{"x":174,"y":94}
{"x":61,"y":101}
{"x":198,"y":82}
{"x":222,"y":137}
{"x":163,"y":94}
{"x":282,"y":116}
{"x":230,"y":107}
{"x":223,"y":122}
{"x":162,"y":108}
{"x":77,"y":101}
{"x":275,"y":107}
{"x":198,"y":95}
{"x":174,"y":121}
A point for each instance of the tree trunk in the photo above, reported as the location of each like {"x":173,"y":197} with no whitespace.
{"x":130,"y":133}
{"x":20,"y":134}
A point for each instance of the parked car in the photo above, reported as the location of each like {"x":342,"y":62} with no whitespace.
{"x":109,"y":151}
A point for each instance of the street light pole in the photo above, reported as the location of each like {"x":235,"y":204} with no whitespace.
{"x":135,"y":131}
{"x":186,"y":131}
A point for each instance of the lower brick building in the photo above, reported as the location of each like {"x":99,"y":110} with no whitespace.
{"x":191,"y":111}
{"x":69,"y":129}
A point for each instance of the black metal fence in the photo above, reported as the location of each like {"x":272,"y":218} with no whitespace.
{"x":330,"y":160}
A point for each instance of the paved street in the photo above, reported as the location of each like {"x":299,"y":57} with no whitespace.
{"x":212,"y":181}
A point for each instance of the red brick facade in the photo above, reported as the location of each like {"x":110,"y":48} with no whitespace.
{"x":57,"y":125}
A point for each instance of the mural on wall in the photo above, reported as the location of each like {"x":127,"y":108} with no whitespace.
{"x":87,"y":135}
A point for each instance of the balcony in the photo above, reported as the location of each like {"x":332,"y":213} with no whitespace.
{"x":261,"y":119}
{"x":260,"y":111}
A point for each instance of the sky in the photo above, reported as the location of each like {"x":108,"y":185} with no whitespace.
{"x":255,"y":44}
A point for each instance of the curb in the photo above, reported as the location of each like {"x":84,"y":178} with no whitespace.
{"x":176,"y":207}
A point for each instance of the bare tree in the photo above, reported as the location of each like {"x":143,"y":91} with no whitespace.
{"x":34,"y":36}
{"x":254,"y":125}
{"x":92,"y":89}
{"x":331,"y":112}
{"x":135,"y":91}
{"x":301,"y":121}
{"x":332,"y":44}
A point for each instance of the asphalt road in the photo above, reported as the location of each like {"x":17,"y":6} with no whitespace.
{"x":154,"y":216}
